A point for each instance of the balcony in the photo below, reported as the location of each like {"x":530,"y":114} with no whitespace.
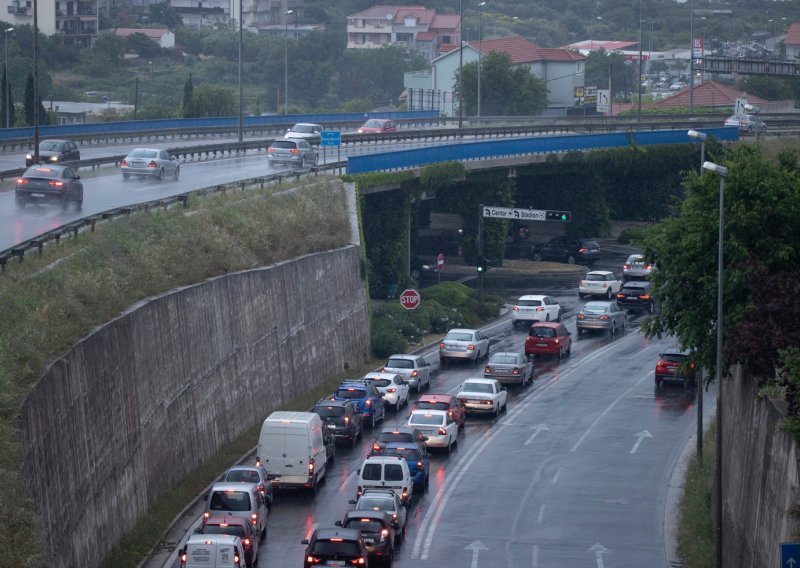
{"x":18,"y":10}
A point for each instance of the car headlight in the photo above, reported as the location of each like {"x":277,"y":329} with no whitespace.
{"x":29,"y":156}
{"x":53,"y":158}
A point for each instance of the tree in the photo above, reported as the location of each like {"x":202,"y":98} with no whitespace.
{"x":762,"y":213}
{"x":598,"y":66}
{"x":29,"y":100}
{"x":213,"y":100}
{"x":143,"y":45}
{"x":164,"y":13}
{"x":505,"y":90}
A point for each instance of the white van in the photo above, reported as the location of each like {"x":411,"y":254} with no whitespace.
{"x":212,"y":551}
{"x":386,"y":472}
{"x":292,"y":450}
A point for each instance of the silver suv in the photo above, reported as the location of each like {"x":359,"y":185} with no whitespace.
{"x":297,"y":152}
{"x":748,"y":123}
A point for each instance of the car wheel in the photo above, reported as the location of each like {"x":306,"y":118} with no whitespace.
{"x":613,"y":329}
{"x":303,"y":162}
{"x":177,"y":172}
{"x":558,"y":317}
{"x":126,"y":177}
{"x":65,"y":202}
{"x":79,"y":203}
{"x":608,"y":294}
{"x":547,"y":318}
{"x":581,"y":295}
{"x":571,"y":259}
{"x":372,"y":422}
{"x":441,"y":361}
{"x":658,"y":381}
{"x":160,"y":175}
{"x":537,"y":256}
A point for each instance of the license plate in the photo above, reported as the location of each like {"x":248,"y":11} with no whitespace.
{"x":369,"y":540}
{"x":475,"y":402}
{"x":335,"y":563}
{"x":541,"y":345}
{"x":37,"y":194}
{"x":332,"y":426}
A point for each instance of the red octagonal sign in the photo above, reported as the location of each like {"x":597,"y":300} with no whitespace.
{"x":409,"y":299}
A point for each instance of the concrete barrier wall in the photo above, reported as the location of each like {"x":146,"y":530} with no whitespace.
{"x":146,"y":398}
{"x":759,"y":477}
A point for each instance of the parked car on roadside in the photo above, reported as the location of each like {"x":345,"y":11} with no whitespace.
{"x":150,"y":162}
{"x":55,"y":151}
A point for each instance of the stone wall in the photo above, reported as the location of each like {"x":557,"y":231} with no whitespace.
{"x":760,"y":477}
{"x":146,"y":398}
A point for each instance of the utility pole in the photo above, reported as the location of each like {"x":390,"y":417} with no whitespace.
{"x":460,"y":63}
{"x":691,"y":58}
{"x":35,"y":82}
{"x":639,"y":80}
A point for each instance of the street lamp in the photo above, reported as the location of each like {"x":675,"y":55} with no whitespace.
{"x":286,"y":62}
{"x":639,"y":68}
{"x":721,"y":171}
{"x":460,"y":63}
{"x":702,"y":137}
{"x":8,"y":84}
{"x":480,"y":37}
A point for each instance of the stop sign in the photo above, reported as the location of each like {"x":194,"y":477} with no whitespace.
{"x":409,"y":299}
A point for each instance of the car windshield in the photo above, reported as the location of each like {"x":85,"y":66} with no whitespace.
{"x":283,"y":144}
{"x":141,"y":153}
{"x":303,"y":128}
{"x":590,"y":244}
{"x":458,"y":336}
{"x":51,"y":146}
{"x":367,"y":503}
{"x":373,"y":123}
{"x":400,"y":363}
{"x":423,"y":404}
{"x":632,"y":290}
{"x":230,"y":501}
{"x":235,"y":530}
{"x":43,"y":173}
{"x":427,"y":419}
{"x":542,"y":332}
{"x":529,"y":302}
{"x":350,"y":392}
{"x":502,"y":358}
{"x":477,"y":387}
{"x":329,"y":411}
{"x":245,"y":475}
{"x":365,"y":525}
{"x":673,"y":357}
{"x":334,"y":547}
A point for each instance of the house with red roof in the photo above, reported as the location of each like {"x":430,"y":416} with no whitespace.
{"x":562,"y":70}
{"x":164,"y":38}
{"x":412,"y":27}
{"x":709,"y":95}
{"x":792,"y":42}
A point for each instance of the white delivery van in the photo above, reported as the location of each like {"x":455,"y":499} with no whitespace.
{"x":386,"y":472}
{"x":212,"y":551}
{"x":292,"y":450}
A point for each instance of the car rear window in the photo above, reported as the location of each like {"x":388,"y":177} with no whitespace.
{"x":542,"y":332}
{"x":458,"y":336}
{"x":423,"y":404}
{"x":234,"y":530}
{"x":529,"y":302}
{"x":230,"y":501}
{"x":365,"y":525}
{"x":375,"y":504}
{"x":351,"y":392}
{"x":143,"y":154}
{"x":243,"y":475}
{"x":400,"y":364}
{"x":394,"y":437}
{"x":329,"y":548}
{"x":42,"y":172}
{"x":633,"y":289}
{"x":673,"y":358}
{"x":590,"y":244}
{"x":371,"y":472}
{"x":595,"y":277}
{"x":594,"y":309}
{"x":477,"y":387}
{"x":380,"y":382}
{"x":392,"y":472}
{"x":329,"y":411}
{"x":503,"y":359}
{"x":427,"y":419}
{"x":284,"y":144}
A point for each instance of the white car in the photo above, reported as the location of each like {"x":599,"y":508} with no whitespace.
{"x":414,"y":369}
{"x":437,"y":425}
{"x":470,"y":344}
{"x":305,"y":131}
{"x":677,"y":86}
{"x":483,"y":395}
{"x":535,"y":308}
{"x":747,"y":123}
{"x":392,"y":386}
{"x":599,"y":283}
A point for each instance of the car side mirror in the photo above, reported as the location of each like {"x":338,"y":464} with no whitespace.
{"x":288,"y":130}
{"x":304,"y":541}
{"x":352,"y":501}
{"x":358,"y":472}
{"x":338,"y":523}
{"x":77,"y":177}
{"x":424,"y":438}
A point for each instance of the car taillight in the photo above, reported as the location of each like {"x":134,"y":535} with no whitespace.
{"x":540,"y":309}
{"x":254,"y":518}
{"x":645,"y":297}
{"x":442,"y":431}
{"x":691,"y":365}
{"x":470,"y":347}
{"x":486,"y":402}
{"x":205,"y":515}
{"x":384,"y":534}
{"x":661,"y":364}
{"x":404,"y":493}
{"x":626,"y":267}
{"x":56,"y":183}
{"x":414,"y":373}
{"x":360,"y":561}
{"x":311,"y":466}
{"x":258,"y":462}
{"x":270,"y":149}
{"x":441,"y":346}
{"x":620,"y":295}
{"x":583,"y":250}
{"x":123,"y":163}
{"x":580,"y":316}
{"x":420,"y":465}
{"x":556,"y":341}
{"x":392,"y":389}
{"x":515,"y":371}
{"x":450,"y":413}
{"x":369,"y":403}
{"x":359,"y":491}
{"x":515,"y":308}
{"x":295,"y":151}
{"x":246,"y":542}
{"x":603,"y":317}
{"x":22,"y":181}
{"x":488,"y":370}
{"x":183,"y":559}
{"x":152,"y":164}
{"x":235,"y":559}
{"x":394,"y":517}
{"x":462,"y":400}
{"x":376,"y":448}
{"x":648,"y":267}
{"x":347,"y":420}
{"x":313,"y":559}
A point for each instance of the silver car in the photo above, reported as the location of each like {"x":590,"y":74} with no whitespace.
{"x":297,"y":152}
{"x":413,"y":368}
{"x":509,"y":369}
{"x":636,"y":268}
{"x":150,"y":162}
{"x":304,"y":131}
{"x":605,"y":316}
{"x":470,"y":344}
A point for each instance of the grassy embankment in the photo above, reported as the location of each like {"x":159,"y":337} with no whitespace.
{"x":695,"y":530}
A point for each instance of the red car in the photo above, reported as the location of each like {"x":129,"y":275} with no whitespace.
{"x":675,"y":366}
{"x":548,"y":338}
{"x":446,"y":402}
{"x":378,"y":125}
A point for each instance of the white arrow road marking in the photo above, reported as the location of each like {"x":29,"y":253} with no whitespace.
{"x":641,"y":436}
{"x":476,"y":548}
{"x":598,"y":550}
{"x":536,"y":429}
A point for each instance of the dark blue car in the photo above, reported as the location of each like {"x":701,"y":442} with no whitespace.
{"x":367,"y":398}
{"x":417,"y":458}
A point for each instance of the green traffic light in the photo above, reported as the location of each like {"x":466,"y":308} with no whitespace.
{"x":563,"y":217}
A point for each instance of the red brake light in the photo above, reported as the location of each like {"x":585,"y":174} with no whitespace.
{"x":580,"y":316}
{"x":310,"y":466}
{"x":627,"y":267}
{"x":152,"y":164}
{"x":360,"y":561}
{"x":271,"y":149}
{"x":369,"y":403}
{"x":420,"y":465}
{"x":442,"y":431}
{"x":604,"y":317}
{"x":622,"y":296}
{"x":295,"y":151}
{"x":583,"y":250}
{"x":246,"y":542}
{"x":488,"y":370}
{"x":313,"y":559}
{"x":414,"y":373}
{"x":347,"y":420}
{"x":56,"y":183}
{"x":441,"y":346}
{"x":376,"y":447}
{"x":540,"y":309}
{"x":645,"y":297}
{"x":123,"y":163}
{"x":254,"y":518}
{"x":392,"y":389}
{"x":515,"y":308}
{"x":470,"y":347}
{"x":515,"y":371}
{"x":22,"y":181}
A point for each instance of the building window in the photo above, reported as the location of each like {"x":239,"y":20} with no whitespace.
{"x":446,"y":39}
{"x":405,"y":38}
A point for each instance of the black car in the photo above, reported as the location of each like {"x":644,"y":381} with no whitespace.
{"x":567,"y":249}
{"x":336,"y":546}
{"x":49,"y":183}
{"x":636,"y":295}
{"x":55,"y":151}
{"x":377,"y":529}
{"x":423,"y":267}
{"x":341,"y":418}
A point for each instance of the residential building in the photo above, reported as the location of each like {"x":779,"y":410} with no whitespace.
{"x":164,"y":38}
{"x":73,"y":20}
{"x":792,"y":42}
{"x":255,"y":13}
{"x":415,"y":28}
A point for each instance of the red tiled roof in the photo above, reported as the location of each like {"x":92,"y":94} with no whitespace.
{"x":523,"y":51}
{"x":425,"y":36}
{"x":423,"y":15}
{"x":380,"y":11}
{"x":793,"y":35}
{"x":708,"y":94}
{"x":557,"y":54}
{"x":445,"y":21}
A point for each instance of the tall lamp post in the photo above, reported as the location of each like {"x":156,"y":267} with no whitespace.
{"x":8,"y":84}
{"x":702,"y":137}
{"x":241,"y":92}
{"x":460,"y":63}
{"x":721,"y":171}
{"x":691,"y":58}
{"x":639,"y":68}
{"x":480,"y":38}
{"x":286,"y":62}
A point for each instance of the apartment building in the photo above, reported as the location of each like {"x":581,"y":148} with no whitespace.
{"x":74,"y":20}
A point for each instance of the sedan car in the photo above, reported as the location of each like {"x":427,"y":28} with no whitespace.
{"x":51,"y":184}
{"x":448,"y":402}
{"x":150,"y":162}
{"x":482,"y":396}
{"x":603,"y":316}
{"x":295,"y":152}
{"x":636,"y":268}
{"x":509,"y":368}
{"x":384,"y":500}
{"x":599,"y":283}
{"x":305,"y":131}
{"x":437,"y":426}
{"x":251,"y":474}
{"x":675,"y":365}
{"x":469,"y":344}
{"x":548,"y":338}
{"x":55,"y":151}
{"x":392,"y":386}
{"x":747,"y":124}
{"x":414,"y":368}
{"x":377,"y":126}
{"x":535,"y":308}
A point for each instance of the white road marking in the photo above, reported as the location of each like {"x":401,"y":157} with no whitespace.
{"x":640,"y":436}
{"x":538,"y":428}
{"x":311,"y":530}
{"x":535,"y":556}
{"x":556,"y":476}
{"x":541,"y":514}
{"x":598,"y":550}
{"x":476,"y":548}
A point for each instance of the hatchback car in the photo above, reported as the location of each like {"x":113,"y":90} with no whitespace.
{"x":305,"y":131}
{"x":603,"y":316}
{"x":341,"y":418}
{"x":636,"y":295}
{"x":366,"y":397}
{"x":251,"y":474}
{"x":377,"y":126}
{"x":49,"y":184}
{"x":437,"y":426}
{"x":414,"y":368}
{"x":599,"y":283}
{"x":234,"y":526}
{"x":636,"y":268}
{"x":335,"y":546}
{"x":535,"y":308}
{"x":509,"y":369}
{"x":403,"y":434}
{"x":548,"y":338}
{"x":377,"y":529}
{"x":295,"y":152}
{"x":384,"y":500}
{"x":747,"y":124}
{"x":150,"y":162}
{"x":392,"y":386}
{"x":675,"y":365}
{"x":469,"y":344}
{"x":55,"y":151}
{"x":448,"y":402}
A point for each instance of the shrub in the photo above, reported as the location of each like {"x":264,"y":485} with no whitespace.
{"x":385,"y":338}
{"x":450,"y":294}
{"x":632,"y":235}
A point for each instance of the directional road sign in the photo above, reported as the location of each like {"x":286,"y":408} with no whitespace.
{"x":790,"y":554}
{"x":516,"y":214}
{"x":409,"y":299}
{"x":330,"y":138}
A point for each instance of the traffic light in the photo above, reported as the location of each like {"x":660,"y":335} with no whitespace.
{"x":564,"y":216}
{"x":483,"y":265}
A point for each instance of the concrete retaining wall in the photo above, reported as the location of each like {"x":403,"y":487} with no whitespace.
{"x":760,"y":478}
{"x":132,"y":408}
